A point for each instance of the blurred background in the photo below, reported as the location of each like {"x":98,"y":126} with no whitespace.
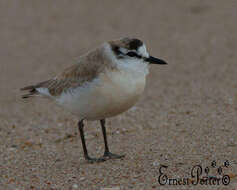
{"x":187,"y":114}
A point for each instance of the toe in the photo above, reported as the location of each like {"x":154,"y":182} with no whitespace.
{"x":113,"y":156}
{"x":95,"y":160}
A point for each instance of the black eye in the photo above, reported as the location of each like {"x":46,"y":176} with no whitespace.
{"x":133,"y":54}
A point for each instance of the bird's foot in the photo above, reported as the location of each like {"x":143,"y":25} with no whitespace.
{"x":108,"y":155}
{"x":95,"y":160}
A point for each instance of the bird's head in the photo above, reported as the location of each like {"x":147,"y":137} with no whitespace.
{"x":126,"y":49}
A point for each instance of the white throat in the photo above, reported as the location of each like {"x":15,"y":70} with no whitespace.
{"x":133,"y":65}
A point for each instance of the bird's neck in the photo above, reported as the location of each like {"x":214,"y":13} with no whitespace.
{"x":133,"y":66}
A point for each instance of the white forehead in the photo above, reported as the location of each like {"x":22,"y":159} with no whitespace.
{"x":142,"y":51}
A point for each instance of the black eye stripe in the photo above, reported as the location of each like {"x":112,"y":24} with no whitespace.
{"x":133,"y":54}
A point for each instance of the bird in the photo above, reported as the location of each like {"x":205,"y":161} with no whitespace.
{"x":103,"y":83}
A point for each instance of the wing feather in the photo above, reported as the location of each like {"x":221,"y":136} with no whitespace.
{"x":74,"y":76}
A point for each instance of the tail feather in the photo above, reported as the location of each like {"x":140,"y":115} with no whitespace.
{"x":28,"y":88}
{"x":31,"y":91}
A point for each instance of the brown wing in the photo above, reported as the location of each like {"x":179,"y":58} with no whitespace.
{"x":86,"y":70}
{"x":71,"y":77}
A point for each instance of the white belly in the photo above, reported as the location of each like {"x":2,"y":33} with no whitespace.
{"x":110,"y":94}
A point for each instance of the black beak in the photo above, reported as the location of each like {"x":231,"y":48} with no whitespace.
{"x":153,"y":60}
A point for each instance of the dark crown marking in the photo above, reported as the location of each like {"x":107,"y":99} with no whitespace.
{"x":134,"y":44}
{"x":127,"y":43}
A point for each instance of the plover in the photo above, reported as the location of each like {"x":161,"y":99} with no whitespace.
{"x":103,"y":83}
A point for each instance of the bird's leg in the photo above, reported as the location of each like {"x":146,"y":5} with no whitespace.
{"x":87,"y":157}
{"x":107,"y":153}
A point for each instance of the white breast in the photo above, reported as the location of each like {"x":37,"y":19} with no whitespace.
{"x":112,"y":93}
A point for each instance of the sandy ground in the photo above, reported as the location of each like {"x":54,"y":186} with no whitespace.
{"x":186,"y":116}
